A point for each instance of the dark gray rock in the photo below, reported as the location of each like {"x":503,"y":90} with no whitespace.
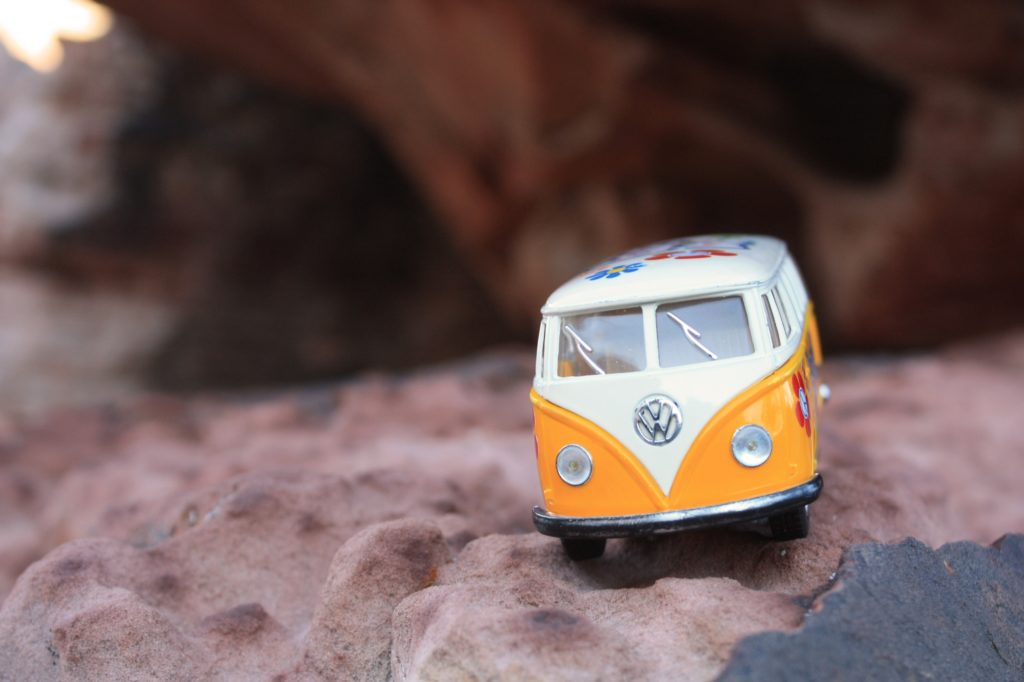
{"x":904,"y":612}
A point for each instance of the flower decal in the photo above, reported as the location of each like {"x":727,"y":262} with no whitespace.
{"x":612,"y":273}
{"x":690,"y":254}
{"x":691,"y":249}
{"x":803,"y":406}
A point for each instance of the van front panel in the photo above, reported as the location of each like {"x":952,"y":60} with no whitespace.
{"x":696,"y":468}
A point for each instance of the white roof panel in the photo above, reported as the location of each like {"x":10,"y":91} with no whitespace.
{"x":672,"y":269}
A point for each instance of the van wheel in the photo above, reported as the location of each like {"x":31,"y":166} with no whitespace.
{"x":791,"y":525}
{"x":581,"y":549}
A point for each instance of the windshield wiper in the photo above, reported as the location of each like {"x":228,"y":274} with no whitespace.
{"x":582,"y":347}
{"x":692,"y":335}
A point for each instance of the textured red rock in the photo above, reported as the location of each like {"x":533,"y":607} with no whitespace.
{"x":382,"y":527}
{"x":349,"y":635}
{"x":882,"y":139}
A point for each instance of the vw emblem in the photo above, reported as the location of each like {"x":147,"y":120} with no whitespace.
{"x":804,"y":407}
{"x":657,"y":419}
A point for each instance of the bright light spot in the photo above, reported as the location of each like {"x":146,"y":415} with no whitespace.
{"x":31,"y":30}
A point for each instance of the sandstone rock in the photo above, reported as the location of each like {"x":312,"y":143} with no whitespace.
{"x":884,"y":140}
{"x":78,"y":620}
{"x":169,"y":223}
{"x":371,"y":574}
{"x":58,"y":133}
{"x":57,"y":137}
{"x":307,"y":534}
{"x":515,"y":608}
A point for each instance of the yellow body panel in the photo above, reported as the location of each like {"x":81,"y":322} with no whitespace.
{"x":709,"y":473}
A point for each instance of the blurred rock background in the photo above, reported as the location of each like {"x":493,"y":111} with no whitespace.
{"x":248,"y":193}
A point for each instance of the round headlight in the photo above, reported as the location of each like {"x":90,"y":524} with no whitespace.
{"x":751,"y":445}
{"x":574,"y":465}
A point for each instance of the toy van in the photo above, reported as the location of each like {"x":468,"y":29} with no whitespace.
{"x":677,"y":387}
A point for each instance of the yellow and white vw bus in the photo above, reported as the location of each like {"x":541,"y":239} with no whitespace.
{"x":676,"y":387}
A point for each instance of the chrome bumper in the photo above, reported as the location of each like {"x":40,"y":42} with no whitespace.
{"x":678,"y":519}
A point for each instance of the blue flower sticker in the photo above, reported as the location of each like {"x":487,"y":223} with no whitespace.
{"x":612,"y":273}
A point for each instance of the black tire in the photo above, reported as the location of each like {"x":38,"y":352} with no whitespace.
{"x":791,"y":525}
{"x":581,"y":549}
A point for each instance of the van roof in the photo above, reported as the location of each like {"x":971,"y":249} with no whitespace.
{"x":672,"y":269}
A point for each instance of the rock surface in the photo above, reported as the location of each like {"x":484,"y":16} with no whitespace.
{"x":381,"y":528}
{"x":884,"y":140}
{"x":905,"y":612}
{"x":204,"y":228}
{"x":58,"y":136}
{"x":168,"y":223}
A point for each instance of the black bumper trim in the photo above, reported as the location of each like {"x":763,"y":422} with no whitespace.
{"x":677,"y":519}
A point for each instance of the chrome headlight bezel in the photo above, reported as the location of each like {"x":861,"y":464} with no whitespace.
{"x":571,"y":456}
{"x":751,"y":445}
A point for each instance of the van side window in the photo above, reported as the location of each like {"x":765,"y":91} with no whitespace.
{"x":797,"y":284}
{"x":541,"y":343}
{"x":796,"y":309}
{"x":786,"y":326}
{"x":771,"y":321}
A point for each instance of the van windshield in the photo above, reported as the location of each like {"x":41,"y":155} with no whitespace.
{"x":702,"y":331}
{"x":609,"y":342}
{"x":689,"y":332}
